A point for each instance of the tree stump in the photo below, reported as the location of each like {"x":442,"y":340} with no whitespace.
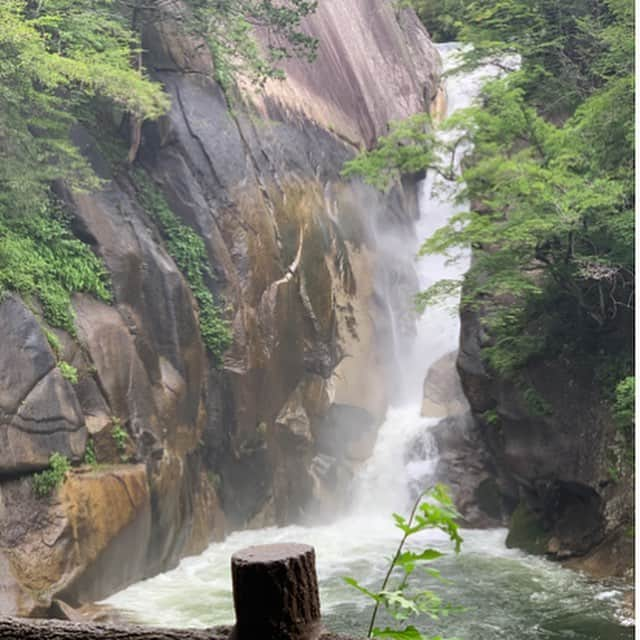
{"x":275,"y":593}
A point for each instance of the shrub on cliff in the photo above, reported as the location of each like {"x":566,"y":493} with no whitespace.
{"x":40,"y":257}
{"x":550,"y":178}
{"x":47,"y":481}
{"x":188,"y":250}
{"x":624,"y":406}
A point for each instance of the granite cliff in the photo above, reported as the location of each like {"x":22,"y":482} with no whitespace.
{"x":188,"y":447}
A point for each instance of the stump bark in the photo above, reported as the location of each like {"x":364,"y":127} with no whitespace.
{"x":275,"y":593}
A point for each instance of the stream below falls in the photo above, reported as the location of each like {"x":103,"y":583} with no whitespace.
{"x":504,"y":593}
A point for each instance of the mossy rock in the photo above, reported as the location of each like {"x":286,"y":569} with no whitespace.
{"x":527,"y":532}
{"x":487,"y":495}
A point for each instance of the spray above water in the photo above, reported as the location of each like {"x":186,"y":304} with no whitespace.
{"x":386,"y":479}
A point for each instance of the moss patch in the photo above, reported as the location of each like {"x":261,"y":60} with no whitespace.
{"x":187,"y":248}
{"x":40,"y":257}
{"x":526,"y":531}
{"x":488,"y":497}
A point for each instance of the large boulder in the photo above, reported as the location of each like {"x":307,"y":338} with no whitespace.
{"x":549,"y":436}
{"x":442,"y":392}
{"x":87,"y":539}
{"x":462,"y":461}
{"x":39,"y":412}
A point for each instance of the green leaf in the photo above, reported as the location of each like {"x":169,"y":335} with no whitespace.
{"x":409,"y":559}
{"x":354,"y":583}
{"x":408,"y":633}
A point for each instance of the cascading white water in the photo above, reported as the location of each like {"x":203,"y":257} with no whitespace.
{"x":385,"y":480}
{"x":507,"y":593}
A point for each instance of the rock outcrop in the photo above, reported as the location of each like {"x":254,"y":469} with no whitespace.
{"x":456,"y":442}
{"x":72,"y":545}
{"x":551,"y":458}
{"x":39,"y":411}
{"x":193,"y":447}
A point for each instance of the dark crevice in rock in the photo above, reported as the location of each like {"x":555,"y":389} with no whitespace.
{"x":45,"y":420}
{"x":202,"y":146}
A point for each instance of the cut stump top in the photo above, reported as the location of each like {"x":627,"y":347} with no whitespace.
{"x":269,"y":553}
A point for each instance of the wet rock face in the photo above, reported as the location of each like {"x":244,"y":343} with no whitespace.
{"x":463,"y":462}
{"x":39,"y":412}
{"x":368,"y":51}
{"x":293,"y":263}
{"x":442,"y":391}
{"x":554,"y":462}
{"x":72,"y":544}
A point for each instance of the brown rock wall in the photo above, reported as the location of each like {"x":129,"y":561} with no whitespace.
{"x":71,"y":544}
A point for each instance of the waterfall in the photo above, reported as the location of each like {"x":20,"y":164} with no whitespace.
{"x":386,"y":480}
{"x":507,"y":594}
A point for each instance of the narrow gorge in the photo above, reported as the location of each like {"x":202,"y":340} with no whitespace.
{"x":215,"y":446}
{"x":257,"y":372}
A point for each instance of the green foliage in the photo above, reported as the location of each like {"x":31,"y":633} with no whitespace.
{"x":40,"y":257}
{"x":119,"y":434}
{"x":437,"y":293}
{"x":90,"y":457}
{"x":624,"y":405}
{"x":536,"y":404}
{"x":443,"y":18}
{"x":491,"y":417}
{"x":408,"y":148}
{"x":567,"y":49}
{"x":231,"y":27}
{"x":47,"y":481}
{"x":621,"y":453}
{"x":546,"y":220}
{"x":53,"y":340}
{"x":54,"y":56}
{"x":187,"y":248}
{"x":215,"y":479}
{"x":552,"y":225}
{"x":433,"y":509}
{"x":68,"y":371}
